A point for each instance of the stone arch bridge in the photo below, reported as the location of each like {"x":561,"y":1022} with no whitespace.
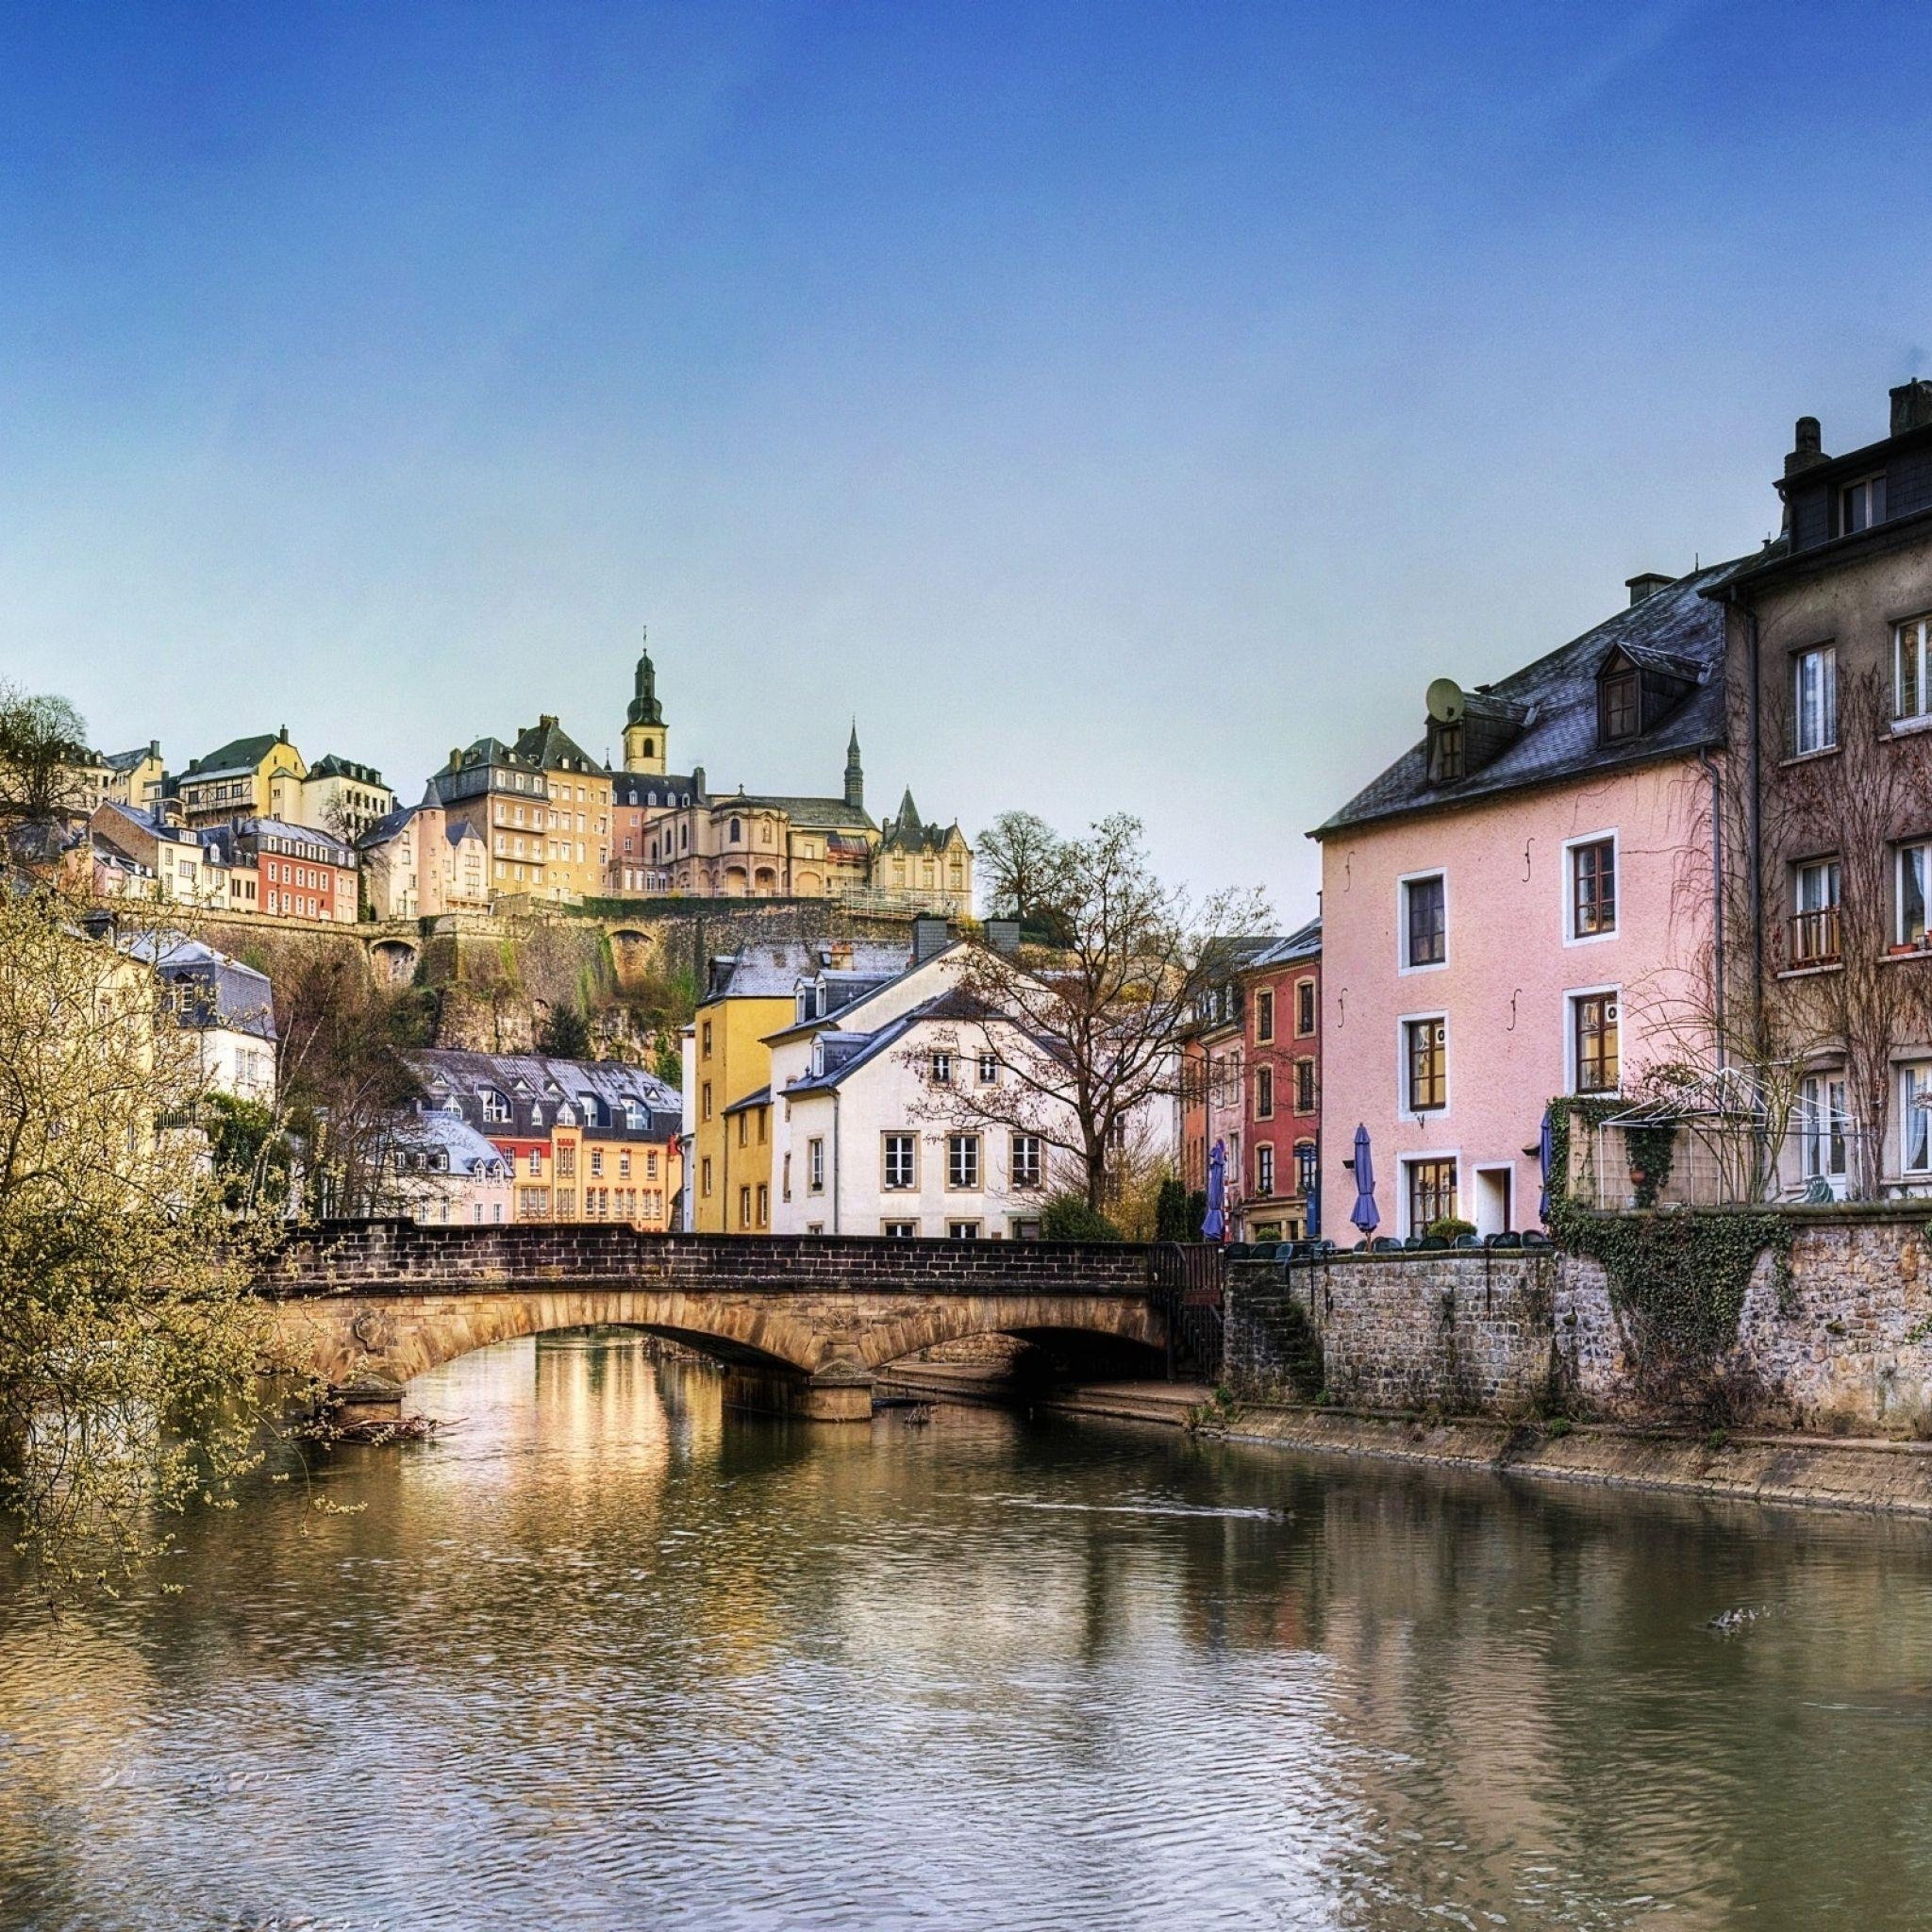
{"x":803,"y":1324}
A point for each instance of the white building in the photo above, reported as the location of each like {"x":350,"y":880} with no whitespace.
{"x":228,"y":1007}
{"x":447,"y":1175}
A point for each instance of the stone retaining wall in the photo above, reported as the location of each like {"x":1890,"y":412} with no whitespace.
{"x":1508,"y":1333}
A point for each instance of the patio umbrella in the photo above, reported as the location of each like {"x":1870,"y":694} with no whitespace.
{"x":1314,"y":1203}
{"x":1365,"y":1214}
{"x":1546,"y":1159}
{"x":1215,"y":1226}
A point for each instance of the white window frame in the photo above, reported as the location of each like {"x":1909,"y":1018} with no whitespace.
{"x":899,"y":1230}
{"x":1817,"y":1111}
{"x":1914,"y":634}
{"x":1018,"y":1178}
{"x":1402,"y":885}
{"x":1402,"y":1096}
{"x":1913,"y":1075}
{"x":956,"y":1144}
{"x":1570,"y":995}
{"x":1571,"y":848}
{"x":1904,"y":852}
{"x":962,"y":1230}
{"x":938,"y":1067}
{"x":1826,"y":655}
{"x":815,"y":1165}
{"x":988,"y":1069}
{"x":1265,"y":1171}
{"x":887,"y":1184}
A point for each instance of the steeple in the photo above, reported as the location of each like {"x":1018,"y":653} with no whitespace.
{"x":643,"y":721}
{"x":908,"y":819}
{"x":855,"y":773}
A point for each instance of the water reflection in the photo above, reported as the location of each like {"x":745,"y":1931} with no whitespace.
{"x":601,"y":1658}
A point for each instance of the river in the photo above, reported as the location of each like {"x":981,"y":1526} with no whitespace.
{"x":602,"y":1657}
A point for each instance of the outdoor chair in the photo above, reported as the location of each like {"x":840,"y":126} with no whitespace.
{"x":1433,"y":1244}
{"x":1469,"y":1240}
{"x":1534,"y":1237}
{"x":1509,"y":1238}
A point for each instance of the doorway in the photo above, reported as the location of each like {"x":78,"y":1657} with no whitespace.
{"x":1494,"y":1200}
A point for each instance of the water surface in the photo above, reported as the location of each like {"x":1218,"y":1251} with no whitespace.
{"x":603,"y":1658}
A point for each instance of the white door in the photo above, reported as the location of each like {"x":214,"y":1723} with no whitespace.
{"x":1493,"y":1205}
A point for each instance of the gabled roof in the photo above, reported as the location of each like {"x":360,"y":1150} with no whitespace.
{"x":1678,"y":627}
{"x":547,"y":743}
{"x":228,"y":992}
{"x":1305,"y":944}
{"x":761,"y":1098}
{"x":813,"y":814}
{"x":846,"y":1052}
{"x":770,"y":969}
{"x":541,"y":1076}
{"x":239,"y":757}
{"x":333,"y":765}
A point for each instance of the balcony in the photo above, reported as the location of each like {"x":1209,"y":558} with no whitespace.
{"x":1814,"y":938}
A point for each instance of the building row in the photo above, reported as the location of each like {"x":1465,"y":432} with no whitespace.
{"x":252,"y":826}
{"x":1678,"y":868}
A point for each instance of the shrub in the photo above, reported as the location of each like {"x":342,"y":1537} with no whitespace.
{"x":1068,"y":1218}
{"x":1449,"y":1228}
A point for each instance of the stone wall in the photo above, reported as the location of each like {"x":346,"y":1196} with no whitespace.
{"x":1845,"y":1349}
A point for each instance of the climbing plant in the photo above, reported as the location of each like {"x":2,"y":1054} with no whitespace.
{"x":1678,"y":1277}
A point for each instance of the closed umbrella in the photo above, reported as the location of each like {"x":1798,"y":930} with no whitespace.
{"x":1314,"y":1203}
{"x":1546,"y":1159}
{"x":1215,"y":1226}
{"x":1365,"y":1214}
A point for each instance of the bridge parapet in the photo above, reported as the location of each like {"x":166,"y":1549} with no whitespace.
{"x":398,"y":1257}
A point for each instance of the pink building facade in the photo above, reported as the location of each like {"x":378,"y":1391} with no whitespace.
{"x":1521,"y":908}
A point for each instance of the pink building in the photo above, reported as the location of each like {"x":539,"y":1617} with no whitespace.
{"x":1520,"y":907}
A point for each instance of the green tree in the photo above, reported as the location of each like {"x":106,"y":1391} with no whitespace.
{"x":566,"y":1033}
{"x":1071,"y":1218}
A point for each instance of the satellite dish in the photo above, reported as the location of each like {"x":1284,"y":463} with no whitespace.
{"x":1445,"y":701}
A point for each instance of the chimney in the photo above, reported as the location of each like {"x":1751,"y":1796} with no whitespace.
{"x":1003,"y":936}
{"x":1647,"y":583}
{"x":1807,"y":446}
{"x":929,"y":937}
{"x":1911,"y":406}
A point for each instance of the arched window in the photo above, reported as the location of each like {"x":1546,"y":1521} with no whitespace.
{"x":650,"y":747}
{"x":737,"y":832}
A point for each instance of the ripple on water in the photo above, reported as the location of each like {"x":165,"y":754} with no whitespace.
{"x":604,"y":1659}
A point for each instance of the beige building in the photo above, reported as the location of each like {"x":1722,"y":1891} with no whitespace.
{"x":505,"y":801}
{"x":671,"y":835}
{"x":264,"y":778}
{"x":345,"y":798}
{"x":421,"y":860}
{"x":577,"y":790}
{"x":183,"y":871}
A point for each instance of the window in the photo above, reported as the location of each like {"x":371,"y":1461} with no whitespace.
{"x":1814,"y":700}
{"x":1431,"y":1192}
{"x":1914,"y":882}
{"x":764,"y":1203}
{"x":1425,"y":922}
{"x":705,"y":1176}
{"x":942,"y":1069}
{"x":1593,"y":889}
{"x":1445,"y":753}
{"x":705,"y":1101}
{"x":899,"y":1230}
{"x":785,"y":1180}
{"x":704,"y":1039}
{"x":1620,"y":703}
{"x":1304,"y":1086}
{"x":1304,"y":1006}
{"x":1264,"y":1172}
{"x":1425,"y":1065}
{"x":744,"y":1129}
{"x":1264,"y":1015}
{"x":962,"y":1230}
{"x":900,"y":1162}
{"x":1814,"y":913}
{"x":962,"y":1160}
{"x":1594,"y":1041}
{"x":815,"y":1166}
{"x":495,"y":1105}
{"x":1305,"y":1168}
{"x":989,"y":1069}
{"x":596,"y":1161}
{"x":1912,"y":669}
{"x":1860,"y":505}
{"x":535,"y":1163}
{"x":1822,"y":1123}
{"x":1264,"y":1093}
{"x":1915,"y":1118}
{"x":1029,"y":1165}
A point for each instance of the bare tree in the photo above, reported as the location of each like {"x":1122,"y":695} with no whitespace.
{"x":1018,"y":861}
{"x":1081,"y":1040}
{"x":44,"y":758}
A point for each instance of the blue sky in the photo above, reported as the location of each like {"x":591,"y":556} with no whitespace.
{"x":1114,"y":405}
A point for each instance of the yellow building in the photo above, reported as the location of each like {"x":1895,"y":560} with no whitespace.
{"x":578,"y":834}
{"x":727,"y":1098}
{"x":257,"y":777}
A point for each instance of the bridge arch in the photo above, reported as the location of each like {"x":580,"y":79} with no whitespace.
{"x":1041,"y":1319}
{"x":393,"y":960}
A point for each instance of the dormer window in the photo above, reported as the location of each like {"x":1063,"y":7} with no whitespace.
{"x":1445,"y":753}
{"x":1860,"y":505}
{"x":1620,"y":701}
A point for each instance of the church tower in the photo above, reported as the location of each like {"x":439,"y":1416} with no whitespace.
{"x":643,"y":722}
{"x":855,"y":773}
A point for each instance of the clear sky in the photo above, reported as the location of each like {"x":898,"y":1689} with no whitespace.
{"x":1113,"y":405}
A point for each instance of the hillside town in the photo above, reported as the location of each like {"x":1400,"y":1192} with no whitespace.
{"x":1675,"y":869}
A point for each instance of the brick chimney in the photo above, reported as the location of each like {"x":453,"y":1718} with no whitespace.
{"x":1911,"y":406}
{"x":1807,"y":446}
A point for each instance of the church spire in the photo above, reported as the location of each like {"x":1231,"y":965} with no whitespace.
{"x":855,"y":773}
{"x":643,"y":719}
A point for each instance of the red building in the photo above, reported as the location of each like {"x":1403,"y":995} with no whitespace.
{"x":304,"y":872}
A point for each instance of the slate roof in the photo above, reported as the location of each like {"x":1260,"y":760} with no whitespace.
{"x":655,"y":788}
{"x":221,"y":837}
{"x":127,"y":760}
{"x":614,"y":1082}
{"x":548,"y":744}
{"x":814,"y":814}
{"x":462,"y":1145}
{"x":845,"y":1053}
{"x":1305,"y":944}
{"x":1678,"y":628}
{"x":333,"y":765}
{"x":770,"y":969}
{"x":225,"y":992}
{"x":239,"y":757}
{"x":761,"y":1098}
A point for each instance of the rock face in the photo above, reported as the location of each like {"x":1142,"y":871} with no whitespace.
{"x":1849,"y":1352}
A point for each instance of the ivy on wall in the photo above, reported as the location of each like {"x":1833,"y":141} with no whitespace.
{"x":1677,"y":1276}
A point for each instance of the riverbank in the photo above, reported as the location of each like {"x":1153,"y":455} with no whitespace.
{"x":1813,"y":1472}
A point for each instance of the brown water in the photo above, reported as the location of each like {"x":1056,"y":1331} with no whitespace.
{"x":605,"y":1659}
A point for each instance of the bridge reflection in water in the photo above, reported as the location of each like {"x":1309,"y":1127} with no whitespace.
{"x":803,"y":1324}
